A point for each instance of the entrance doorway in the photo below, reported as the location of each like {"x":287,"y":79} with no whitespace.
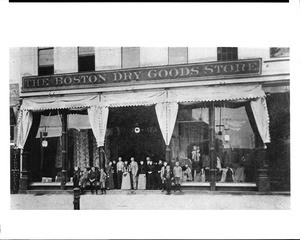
{"x":134,"y":132}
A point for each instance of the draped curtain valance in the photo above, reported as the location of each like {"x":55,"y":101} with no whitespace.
{"x":165,"y":101}
{"x":215,"y":93}
{"x":126,"y":99}
{"x":65,"y":102}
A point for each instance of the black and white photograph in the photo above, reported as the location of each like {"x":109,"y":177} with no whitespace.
{"x":149,"y":120}
{"x":150,"y":128}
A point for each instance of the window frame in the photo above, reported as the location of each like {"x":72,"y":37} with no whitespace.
{"x":85,"y":55}
{"x":44,"y":66}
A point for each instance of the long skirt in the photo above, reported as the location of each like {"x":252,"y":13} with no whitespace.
{"x":126,"y":181}
{"x":142,"y":181}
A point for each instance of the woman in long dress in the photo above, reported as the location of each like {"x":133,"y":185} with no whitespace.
{"x":126,"y":177}
{"x":142,"y":176}
{"x":110,"y":176}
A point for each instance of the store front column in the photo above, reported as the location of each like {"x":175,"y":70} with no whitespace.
{"x":64,"y":149}
{"x":101,"y":157}
{"x":168,"y":154}
{"x":24,"y":175}
{"x":212,"y":154}
{"x":263,"y":178}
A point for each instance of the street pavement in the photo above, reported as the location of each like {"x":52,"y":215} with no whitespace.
{"x":152,"y":200}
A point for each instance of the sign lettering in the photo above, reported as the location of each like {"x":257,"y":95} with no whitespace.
{"x":170,"y":73}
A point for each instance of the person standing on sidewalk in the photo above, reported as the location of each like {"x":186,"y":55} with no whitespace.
{"x":177,"y":171}
{"x":83,"y":179}
{"x":162,"y":172}
{"x":76,"y":177}
{"x":134,"y":172}
{"x":142,"y":175}
{"x":168,"y":177}
{"x":120,"y":166}
{"x":92,"y":179}
{"x":114,"y":166}
{"x":102,"y":181}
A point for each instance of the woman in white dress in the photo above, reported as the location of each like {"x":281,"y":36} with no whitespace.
{"x":126,"y":177}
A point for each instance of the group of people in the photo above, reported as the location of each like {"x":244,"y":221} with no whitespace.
{"x":123,"y":175}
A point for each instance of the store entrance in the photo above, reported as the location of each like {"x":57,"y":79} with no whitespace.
{"x":134,"y":132}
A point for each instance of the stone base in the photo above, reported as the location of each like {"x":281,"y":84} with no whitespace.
{"x":15,"y":175}
{"x":263,"y":180}
{"x":23,"y":184}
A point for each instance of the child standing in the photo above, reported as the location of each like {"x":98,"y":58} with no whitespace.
{"x":168,"y":176}
{"x":102,"y":181}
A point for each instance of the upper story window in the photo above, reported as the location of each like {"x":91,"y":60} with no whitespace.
{"x":46,"y":61}
{"x":227,"y":53}
{"x":86,"y":59}
{"x":279,"y":52}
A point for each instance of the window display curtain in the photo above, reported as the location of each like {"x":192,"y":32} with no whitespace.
{"x":47,"y":103}
{"x":166,"y":113}
{"x":98,"y":117}
{"x":261,"y":115}
{"x":24,"y":124}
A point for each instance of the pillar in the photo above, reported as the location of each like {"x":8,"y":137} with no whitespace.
{"x":263,"y":178}
{"x":168,"y":154}
{"x":212,"y":152}
{"x":64,"y":149}
{"x":24,"y":173}
{"x":101,"y":157}
{"x":15,"y":170}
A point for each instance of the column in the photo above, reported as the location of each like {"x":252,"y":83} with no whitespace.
{"x":15,"y":171}
{"x":24,"y":174}
{"x":263,"y":178}
{"x":212,"y":153}
{"x":64,"y":148}
{"x":101,"y":157}
{"x":168,"y":154}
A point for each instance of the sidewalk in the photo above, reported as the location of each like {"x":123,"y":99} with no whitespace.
{"x":154,"y":200}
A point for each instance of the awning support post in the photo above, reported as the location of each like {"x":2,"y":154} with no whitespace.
{"x":212,"y":152}
{"x":64,"y":149}
{"x":101,"y":157}
{"x":168,"y":154}
{"x":263,"y":178}
{"x":24,"y":174}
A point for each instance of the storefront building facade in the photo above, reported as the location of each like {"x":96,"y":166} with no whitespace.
{"x":221,"y":112}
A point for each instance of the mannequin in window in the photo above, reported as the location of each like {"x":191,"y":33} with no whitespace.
{"x":196,"y":163}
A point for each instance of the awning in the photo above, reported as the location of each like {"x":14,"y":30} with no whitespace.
{"x":56,"y":102}
{"x":216,"y":93}
{"x":126,"y":99}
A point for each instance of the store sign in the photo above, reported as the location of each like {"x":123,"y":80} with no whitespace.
{"x":150,"y":74}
